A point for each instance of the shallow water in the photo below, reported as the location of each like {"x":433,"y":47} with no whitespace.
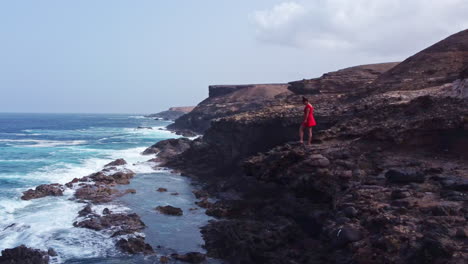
{"x":48,"y":148}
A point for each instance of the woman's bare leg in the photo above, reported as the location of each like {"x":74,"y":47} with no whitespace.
{"x":309,"y":142}
{"x":301,"y":134}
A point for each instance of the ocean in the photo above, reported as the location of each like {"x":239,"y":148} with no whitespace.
{"x":55,"y":148}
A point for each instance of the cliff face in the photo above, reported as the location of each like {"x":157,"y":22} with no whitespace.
{"x":385,"y":181}
{"x":347,"y":80}
{"x":225,"y":100}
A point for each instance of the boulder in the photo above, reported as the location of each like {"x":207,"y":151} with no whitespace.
{"x":135,"y":245}
{"x":43,"y":191}
{"x":170,"y":210}
{"x":23,"y":255}
{"x":117,"y":162}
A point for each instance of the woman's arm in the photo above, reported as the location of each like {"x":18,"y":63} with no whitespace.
{"x":306,"y":115}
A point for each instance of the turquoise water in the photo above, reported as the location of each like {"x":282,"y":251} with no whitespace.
{"x":55,"y":148}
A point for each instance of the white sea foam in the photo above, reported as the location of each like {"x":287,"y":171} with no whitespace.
{"x":39,"y":143}
{"x":48,"y":222}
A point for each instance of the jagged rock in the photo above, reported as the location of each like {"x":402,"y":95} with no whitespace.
{"x":106,"y":211}
{"x":96,"y":193}
{"x":70,"y":184}
{"x":168,"y":148}
{"x":169,"y":210}
{"x":43,"y":191}
{"x":117,"y":162}
{"x":200,"y":194}
{"x":191,"y":257}
{"x":396,"y":176}
{"x":129,"y":223}
{"x":204,"y":203}
{"x":135,"y":245}
{"x":185,"y":133}
{"x":23,"y":255}
{"x":85,"y":211}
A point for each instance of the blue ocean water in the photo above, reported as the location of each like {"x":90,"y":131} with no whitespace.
{"x":55,"y":148}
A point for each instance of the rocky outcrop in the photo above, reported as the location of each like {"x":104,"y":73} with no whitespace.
{"x":169,"y":210}
{"x":225,"y":100}
{"x":43,"y":190}
{"x":24,"y":255}
{"x":135,"y":245}
{"x":173,"y":113}
{"x":168,"y":148}
{"x":385,"y":180}
{"x":119,"y":223}
{"x":353,"y":79}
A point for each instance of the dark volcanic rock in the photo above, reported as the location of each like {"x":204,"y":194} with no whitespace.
{"x":191,"y":257}
{"x":85,"y":211}
{"x":43,"y":191}
{"x":135,"y":245}
{"x":117,"y":162}
{"x":96,"y":193}
{"x":23,"y":255}
{"x":169,"y":210}
{"x":129,"y":223}
{"x":397,"y":176}
{"x":168,"y":148}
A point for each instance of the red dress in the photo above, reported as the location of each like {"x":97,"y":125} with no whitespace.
{"x":310,"y":118}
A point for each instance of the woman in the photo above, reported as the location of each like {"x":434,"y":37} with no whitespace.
{"x":309,"y":121}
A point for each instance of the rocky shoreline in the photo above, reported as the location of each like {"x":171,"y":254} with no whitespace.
{"x":385,"y":181}
{"x":97,"y":190}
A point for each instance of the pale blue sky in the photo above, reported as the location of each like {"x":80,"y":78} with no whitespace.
{"x":135,"y":56}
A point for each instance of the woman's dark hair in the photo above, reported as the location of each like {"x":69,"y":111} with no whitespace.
{"x":304,"y":99}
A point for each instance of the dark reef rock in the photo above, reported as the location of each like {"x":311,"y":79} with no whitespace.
{"x":43,"y":191}
{"x":125,"y":223}
{"x":135,"y":245}
{"x":170,"y":210}
{"x":169,"y":148}
{"x":191,"y":257}
{"x":23,"y":255}
{"x":117,"y":162}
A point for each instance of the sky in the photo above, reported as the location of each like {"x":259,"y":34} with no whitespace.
{"x":143,"y":56}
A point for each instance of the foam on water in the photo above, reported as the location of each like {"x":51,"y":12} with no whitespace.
{"x":71,"y":153}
